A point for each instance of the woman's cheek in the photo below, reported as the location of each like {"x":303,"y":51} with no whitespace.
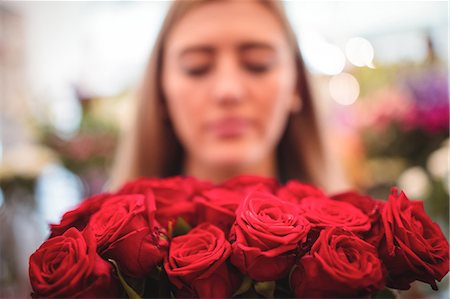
{"x":185,"y":116}
{"x":272,"y":121}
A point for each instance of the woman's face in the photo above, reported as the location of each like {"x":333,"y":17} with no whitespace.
{"x":229,"y":81}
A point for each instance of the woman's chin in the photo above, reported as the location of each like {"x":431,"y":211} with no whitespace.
{"x":232,"y":158}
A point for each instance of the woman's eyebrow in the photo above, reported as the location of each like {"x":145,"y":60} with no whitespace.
{"x":196,"y":49}
{"x":206,"y":49}
{"x":255,"y":45}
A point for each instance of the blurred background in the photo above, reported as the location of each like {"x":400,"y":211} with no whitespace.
{"x":69,"y":70}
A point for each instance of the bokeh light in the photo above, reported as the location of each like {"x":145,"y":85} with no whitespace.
{"x":321,"y":56}
{"x":344,"y":88}
{"x":57,"y":191}
{"x":415,"y":182}
{"x":65,"y":111}
{"x":359,"y":52}
{"x":437,"y":163}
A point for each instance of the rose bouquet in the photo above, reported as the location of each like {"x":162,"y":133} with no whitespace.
{"x":248,"y":237}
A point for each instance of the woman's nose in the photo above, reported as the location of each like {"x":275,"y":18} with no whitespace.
{"x":228,"y":86}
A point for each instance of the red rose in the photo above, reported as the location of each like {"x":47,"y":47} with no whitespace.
{"x":173,"y":196}
{"x":189,"y":185}
{"x":69,"y":266}
{"x":339,"y":264}
{"x":369,"y":206}
{"x":246,"y":183}
{"x":295,"y":191}
{"x":414,"y":248}
{"x":126,"y":232}
{"x":217,"y":206}
{"x":80,"y":216}
{"x":265,"y":236}
{"x":323,"y":212}
{"x":197,"y":266}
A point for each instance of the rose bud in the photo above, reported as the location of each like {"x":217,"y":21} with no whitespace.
{"x":323,"y":212}
{"x":414,"y":248}
{"x":217,"y":206}
{"x":197,"y":266}
{"x":294,"y":191}
{"x":127,"y":232}
{"x":80,"y":216}
{"x":369,"y":206}
{"x":69,"y":266}
{"x":340,"y":264}
{"x":173,"y":196}
{"x":265,"y":236}
{"x":247,"y":183}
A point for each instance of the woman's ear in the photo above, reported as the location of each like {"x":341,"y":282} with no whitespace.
{"x":296,"y":104}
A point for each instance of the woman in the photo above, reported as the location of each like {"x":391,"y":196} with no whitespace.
{"x":226,"y":93}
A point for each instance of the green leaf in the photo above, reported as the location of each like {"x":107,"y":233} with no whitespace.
{"x":266,"y":288}
{"x":245,"y":286}
{"x":181,"y":227}
{"x":132,"y":294}
{"x":385,"y":294}
{"x":290,"y":275}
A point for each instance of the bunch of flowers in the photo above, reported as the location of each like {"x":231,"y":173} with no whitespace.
{"x":247,"y":237}
{"x":429,"y":98}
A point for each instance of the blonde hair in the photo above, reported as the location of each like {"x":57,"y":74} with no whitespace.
{"x":151,"y":149}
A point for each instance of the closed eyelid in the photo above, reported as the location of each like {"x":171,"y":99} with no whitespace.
{"x":250,"y":55}
{"x":194,"y":57}
{"x":260,"y":58}
{"x":258,"y":51}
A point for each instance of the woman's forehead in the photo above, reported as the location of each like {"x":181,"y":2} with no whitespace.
{"x":226,"y":23}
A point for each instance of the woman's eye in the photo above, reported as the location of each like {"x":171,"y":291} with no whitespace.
{"x":198,"y":71}
{"x":257,"y":68}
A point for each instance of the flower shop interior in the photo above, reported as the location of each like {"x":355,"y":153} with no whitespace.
{"x":69,"y":71}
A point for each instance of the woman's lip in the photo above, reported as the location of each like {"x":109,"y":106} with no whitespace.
{"x":229,"y":127}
